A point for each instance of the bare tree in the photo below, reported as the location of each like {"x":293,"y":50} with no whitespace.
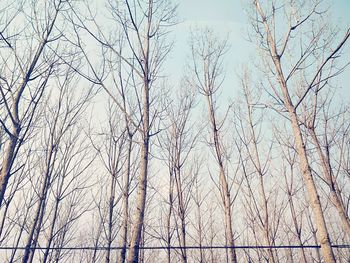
{"x":25,"y":72}
{"x":207,"y":56}
{"x":248,"y":130}
{"x":323,"y":149}
{"x":143,"y":25}
{"x":178,"y":142}
{"x":60,"y":119}
{"x":267,"y":181}
{"x":112,"y":155}
{"x":290,"y":158}
{"x":198,"y":200}
{"x":274,"y":45}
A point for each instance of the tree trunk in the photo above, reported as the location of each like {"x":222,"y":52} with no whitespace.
{"x":168,"y":219}
{"x":225,"y":193}
{"x":7,"y":164}
{"x":142,"y":183}
{"x":110,"y":216}
{"x":334,"y":190}
{"x":323,"y":237}
{"x":181,"y":211}
{"x":124,"y":235}
{"x":52,"y":227}
{"x":295,"y":221}
{"x":258,"y":168}
{"x":314,"y":199}
{"x":40,"y":210}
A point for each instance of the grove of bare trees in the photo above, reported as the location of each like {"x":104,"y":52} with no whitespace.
{"x":106,"y":156}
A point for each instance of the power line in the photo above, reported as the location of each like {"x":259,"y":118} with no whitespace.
{"x":340,"y":246}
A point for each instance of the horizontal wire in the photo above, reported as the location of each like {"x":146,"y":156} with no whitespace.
{"x":176,"y":247}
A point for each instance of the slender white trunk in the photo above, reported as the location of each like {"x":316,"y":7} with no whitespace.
{"x":142,"y":182}
{"x":314,"y":199}
{"x":297,"y":228}
{"x":257,"y":164}
{"x":225,"y":192}
{"x":181,"y":211}
{"x":7,"y":164}
{"x":333,"y":187}
{"x":125,"y":225}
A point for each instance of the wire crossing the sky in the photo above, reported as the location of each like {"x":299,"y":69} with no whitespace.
{"x":340,"y":246}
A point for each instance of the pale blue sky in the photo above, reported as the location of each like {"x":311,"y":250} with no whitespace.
{"x":231,"y":10}
{"x":228,"y":17}
{"x":224,"y":10}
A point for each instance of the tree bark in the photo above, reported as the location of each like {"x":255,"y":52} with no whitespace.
{"x":225,"y":192}
{"x":257,"y":164}
{"x":314,"y":199}
{"x":10,"y":150}
{"x":125,"y":225}
{"x":142,"y":183}
{"x":295,"y":220}
{"x":333,"y":187}
{"x":7,"y":163}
